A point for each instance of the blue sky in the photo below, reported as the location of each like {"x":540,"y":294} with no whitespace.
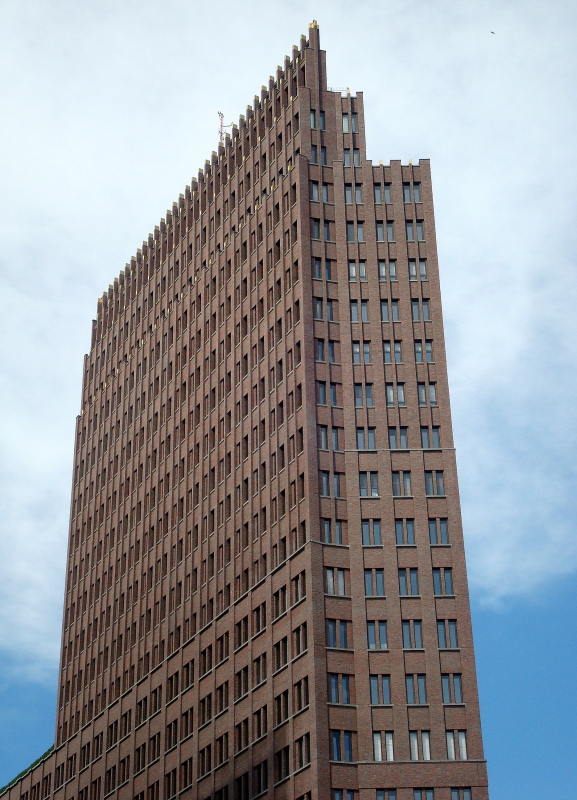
{"x":109,"y":109}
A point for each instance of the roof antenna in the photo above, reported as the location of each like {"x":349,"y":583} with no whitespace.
{"x":221,"y":127}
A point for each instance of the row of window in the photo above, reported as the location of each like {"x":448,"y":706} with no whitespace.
{"x":371,"y":531}
{"x":361,"y":351}
{"x":369,"y":483}
{"x":337,"y":582}
{"x":391,"y":794}
{"x":385,"y":231}
{"x":338,"y":634}
{"x":425,"y":392}
{"x":342,"y":745}
{"x":358,"y":270}
{"x":356,"y":191}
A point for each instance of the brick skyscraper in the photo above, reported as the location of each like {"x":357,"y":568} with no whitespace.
{"x":266,"y":587}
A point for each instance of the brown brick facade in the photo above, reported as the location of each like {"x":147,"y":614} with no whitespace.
{"x":224,"y":563}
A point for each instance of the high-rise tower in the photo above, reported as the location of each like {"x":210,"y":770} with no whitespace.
{"x":266,"y":587}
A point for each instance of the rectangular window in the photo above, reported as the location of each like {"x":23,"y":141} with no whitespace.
{"x":352,"y":269}
{"x":378,"y":193}
{"x":382,"y":270}
{"x":406,"y":192}
{"x":417,"y":192}
{"x":408,"y":582}
{"x":317,"y":273}
{"x":380,"y":232}
{"x":322,"y":393}
{"x":434,"y":483}
{"x":313,"y":119}
{"x":362,"y":270}
{"x":429,"y":351}
{"x":332,"y":349}
{"x":345,"y":123}
{"x":360,"y":232}
{"x":387,"y":192}
{"x":314,"y":191}
{"x":358,"y":193}
{"x":325,"y":192}
{"x":405,"y":531}
{"x":314,"y":154}
{"x":398,"y":353}
{"x":356,"y":157}
{"x":348,"y":193}
{"x":420,"y":231}
{"x":438,"y":531}
{"x":347,"y":157}
{"x":320,"y":349}
{"x":412,"y":634}
{"x":333,"y":391}
{"x":418,"y":351}
{"x":423,"y":269}
{"x":325,"y":484}
{"x":390,"y":234}
{"x":401,"y":483}
{"x":322,"y":121}
{"x":371,"y":532}
{"x":410,"y":231}
{"x":426,"y":311}
{"x":385,"y":312}
{"x":377,"y":634}
{"x":324,"y":156}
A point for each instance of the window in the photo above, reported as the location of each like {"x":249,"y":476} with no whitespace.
{"x":380,"y":232}
{"x":390,"y":393}
{"x":314,"y":154}
{"x":320,"y":349}
{"x":325,"y":192}
{"x":335,"y":581}
{"x":282,"y":764}
{"x":333,"y":392}
{"x":418,"y":351}
{"x":323,"y":437}
{"x":382,"y":270}
{"x":406,"y":191}
{"x":340,"y":688}
{"x":303,"y":751}
{"x":412,"y":634}
{"x":447,"y":634}
{"x":322,"y":122}
{"x":430,"y":439}
{"x":328,"y":533}
{"x":402,"y":484}
{"x":240,"y":683}
{"x":337,"y":633}
{"x":364,"y":310}
{"x":362,"y":270}
{"x":356,"y":352}
{"x":438,"y":531}
{"x":347,"y":157}
{"x":378,"y":193}
{"x":416,"y":689}
{"x":325,"y":484}
{"x":356,"y":157}
{"x":341,"y":745}
{"x":313,"y":119}
{"x":367,"y":352}
{"x":327,"y":230}
{"x":374,"y":583}
{"x":316,"y":229}
{"x":352,"y":267}
{"x":420,"y":231}
{"x":457,"y":745}
{"x":354,"y":311}
{"x":408,"y":582}
{"x":359,"y":395}
{"x":318,"y":307}
{"x":380,"y":686}
{"x":332,"y":352}
{"x":398,"y":353}
{"x":281,"y":708}
{"x":317,"y":269}
{"x":301,"y":694}
{"x":387,"y":192}
{"x":345,"y":123}
{"x":424,"y":752}
{"x":358,"y":192}
{"x":390,"y":235}
{"x":387,"y":352}
{"x":280,"y":654}
{"x":410,"y":231}
{"x":383,"y":746}
{"x":417,"y":192}
{"x":423,"y":394}
{"x":322,"y":393}
{"x":371,"y":532}
{"x":452,"y":688}
{"x":405,"y":531}
{"x":385,"y":313}
{"x":369,"y":484}
{"x":461,"y":794}
{"x":398,"y":439}
{"x":314,"y":191}
{"x":395,"y":311}
{"x":434,"y":484}
{"x":443,"y":581}
{"x":360,"y":232}
{"x":324,"y":156}
{"x":377,"y":634}
{"x":429,"y":351}
{"x":331,"y":305}
{"x":423,"y":269}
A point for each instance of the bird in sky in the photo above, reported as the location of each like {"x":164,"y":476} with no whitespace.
{"x":492,"y":32}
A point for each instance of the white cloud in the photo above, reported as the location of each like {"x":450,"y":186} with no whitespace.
{"x":109,"y":109}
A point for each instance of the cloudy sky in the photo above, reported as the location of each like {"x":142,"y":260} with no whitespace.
{"x":109,"y":107}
